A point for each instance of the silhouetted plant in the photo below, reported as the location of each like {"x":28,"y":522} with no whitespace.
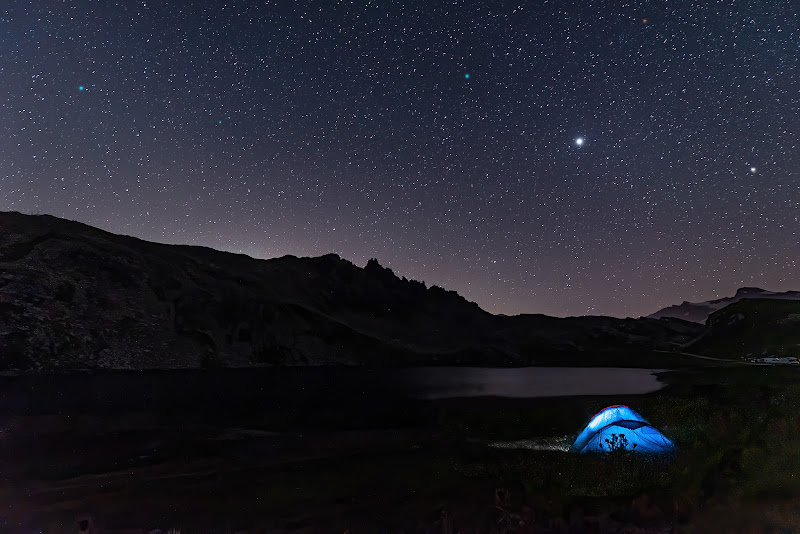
{"x":618,"y":442}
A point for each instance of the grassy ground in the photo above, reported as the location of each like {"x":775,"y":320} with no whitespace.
{"x":737,"y":425}
{"x":736,"y":430}
{"x":738,"y":461}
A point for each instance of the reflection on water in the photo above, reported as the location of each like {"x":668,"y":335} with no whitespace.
{"x":529,"y":382}
{"x":276,"y":390}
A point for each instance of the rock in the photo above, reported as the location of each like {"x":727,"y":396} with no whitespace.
{"x":645,"y":510}
{"x":85,"y":525}
{"x":576,"y":521}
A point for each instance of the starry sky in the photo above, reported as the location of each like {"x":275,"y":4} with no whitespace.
{"x":562,"y":157}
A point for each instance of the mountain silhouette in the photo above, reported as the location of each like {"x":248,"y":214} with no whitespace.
{"x":76,"y":297}
{"x":699,"y":312}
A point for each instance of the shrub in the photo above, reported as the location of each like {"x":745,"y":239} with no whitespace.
{"x":617,"y":443}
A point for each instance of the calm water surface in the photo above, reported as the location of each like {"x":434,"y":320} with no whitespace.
{"x":530,"y":382}
{"x":252,"y":390}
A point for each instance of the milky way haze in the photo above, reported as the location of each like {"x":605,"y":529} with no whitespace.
{"x":555,"y":157}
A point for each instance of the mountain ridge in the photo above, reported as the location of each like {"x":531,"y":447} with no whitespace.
{"x":76,"y":297}
{"x":699,"y":312}
{"x":753,"y":327}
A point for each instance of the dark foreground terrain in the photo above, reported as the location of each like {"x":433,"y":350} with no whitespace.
{"x":367,"y":458}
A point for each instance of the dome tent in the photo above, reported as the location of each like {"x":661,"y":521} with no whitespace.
{"x":632,"y":432}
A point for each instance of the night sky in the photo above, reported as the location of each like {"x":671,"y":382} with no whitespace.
{"x":568,"y":158}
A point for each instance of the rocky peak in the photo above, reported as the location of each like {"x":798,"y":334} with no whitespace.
{"x":748,"y":291}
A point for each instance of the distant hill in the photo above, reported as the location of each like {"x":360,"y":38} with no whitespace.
{"x":698,"y":312}
{"x":76,"y":297}
{"x":752,"y":327}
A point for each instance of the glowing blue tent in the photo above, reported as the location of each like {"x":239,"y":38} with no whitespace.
{"x":618,"y":427}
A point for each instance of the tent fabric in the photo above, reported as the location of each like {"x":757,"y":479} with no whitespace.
{"x":621,"y":421}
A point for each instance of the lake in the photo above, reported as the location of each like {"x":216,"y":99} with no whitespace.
{"x":249,"y":389}
{"x":528,"y":382}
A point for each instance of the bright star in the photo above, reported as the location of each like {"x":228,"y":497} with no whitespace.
{"x":466,"y":76}
{"x":753,"y":170}
{"x":81,"y":88}
{"x":579,"y":141}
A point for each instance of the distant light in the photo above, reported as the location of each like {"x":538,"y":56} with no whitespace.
{"x":219,"y":122}
{"x":753,"y":170}
{"x":81,"y":88}
{"x":579,"y":141}
{"x":466,"y":76}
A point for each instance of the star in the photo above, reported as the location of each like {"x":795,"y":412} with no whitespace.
{"x":81,"y":88}
{"x":753,"y":170}
{"x":579,"y":141}
{"x":466,"y":76}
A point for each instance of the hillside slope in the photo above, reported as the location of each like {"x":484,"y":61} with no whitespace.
{"x":752,"y":327}
{"x":76,"y":297}
{"x":699,"y":312}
